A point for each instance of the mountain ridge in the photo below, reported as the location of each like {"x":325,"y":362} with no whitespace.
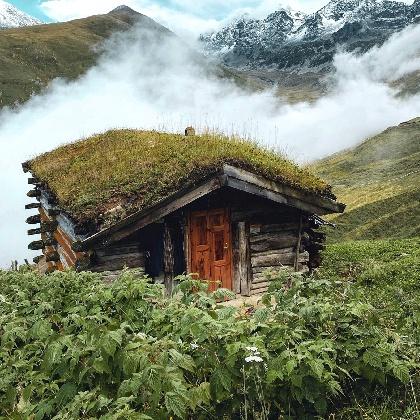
{"x":12,"y":17}
{"x":276,"y":41}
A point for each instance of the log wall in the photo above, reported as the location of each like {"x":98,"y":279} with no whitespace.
{"x":116,"y":257}
{"x":270,"y":242}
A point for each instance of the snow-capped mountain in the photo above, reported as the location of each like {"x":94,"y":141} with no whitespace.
{"x":11,"y":17}
{"x":287,"y":39}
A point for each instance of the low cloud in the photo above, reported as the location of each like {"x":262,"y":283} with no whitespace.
{"x":150,"y":83}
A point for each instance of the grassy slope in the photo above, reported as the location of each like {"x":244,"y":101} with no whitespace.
{"x":31,"y":57}
{"x":88,"y":179}
{"x":379,"y":181}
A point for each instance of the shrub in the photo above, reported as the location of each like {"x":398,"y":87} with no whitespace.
{"x":74,"y":347}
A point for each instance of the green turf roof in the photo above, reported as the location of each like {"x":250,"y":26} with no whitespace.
{"x":132,"y":170}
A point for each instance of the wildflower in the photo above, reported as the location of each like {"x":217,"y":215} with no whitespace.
{"x":252,"y":349}
{"x":141,"y":335}
{"x":256,"y":359}
{"x":194,"y":346}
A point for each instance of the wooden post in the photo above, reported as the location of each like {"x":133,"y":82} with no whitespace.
{"x":298,"y":244}
{"x":168,"y":258}
{"x":244,"y":258}
{"x":235,"y":259}
{"x":187,"y":244}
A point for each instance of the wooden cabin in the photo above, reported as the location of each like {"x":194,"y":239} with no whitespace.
{"x":222,"y":209}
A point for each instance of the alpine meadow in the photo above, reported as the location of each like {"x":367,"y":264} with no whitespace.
{"x":210,"y":210}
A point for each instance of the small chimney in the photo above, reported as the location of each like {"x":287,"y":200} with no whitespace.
{"x":190,"y":131}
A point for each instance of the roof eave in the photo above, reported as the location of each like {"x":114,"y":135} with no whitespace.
{"x":229,"y":176}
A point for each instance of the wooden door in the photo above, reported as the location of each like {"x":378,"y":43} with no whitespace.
{"x":210,"y":245}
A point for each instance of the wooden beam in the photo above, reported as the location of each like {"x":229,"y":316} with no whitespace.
{"x":272,"y":196}
{"x":25,"y":167}
{"x":38,"y":259}
{"x":36,"y":245}
{"x":244,"y":258}
{"x":34,"y":193}
{"x":48,"y":226}
{"x":34,"y":220}
{"x":186,"y":227}
{"x":33,"y":181}
{"x":292,"y":196}
{"x":33,"y":206}
{"x":37,"y":231}
{"x":298,"y":244}
{"x":83,"y":263}
{"x":235,"y":259}
{"x":141,"y":219}
{"x":52,"y":257}
{"x":53,"y":212}
{"x":168,"y":259}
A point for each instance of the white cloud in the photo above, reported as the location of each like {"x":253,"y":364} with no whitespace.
{"x":162,"y":88}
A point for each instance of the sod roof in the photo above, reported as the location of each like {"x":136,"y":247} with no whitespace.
{"x":111,"y":175}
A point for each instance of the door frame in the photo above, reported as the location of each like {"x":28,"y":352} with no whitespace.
{"x":188,"y":238}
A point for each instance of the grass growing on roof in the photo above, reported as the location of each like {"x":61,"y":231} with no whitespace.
{"x":136,"y":169}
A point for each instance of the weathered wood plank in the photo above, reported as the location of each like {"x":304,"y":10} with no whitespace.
{"x":37,"y":231}
{"x":281,"y":227}
{"x":34,"y":220}
{"x":293,"y":196}
{"x":36,"y":245}
{"x":48,"y":226}
{"x":32,"y":206}
{"x":260,"y":278}
{"x":274,"y":251}
{"x":52,"y":257}
{"x":243,"y":261}
{"x":235,"y":259}
{"x":118,"y":250}
{"x":272,"y":270}
{"x":278,"y":259}
{"x":271,"y":241}
{"x":168,"y":258}
{"x":187,"y":243}
{"x":259,"y":291}
{"x":298,"y":244}
{"x":260,"y":285}
{"x":34,"y":193}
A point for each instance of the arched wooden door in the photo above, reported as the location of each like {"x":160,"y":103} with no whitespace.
{"x":211,"y":247}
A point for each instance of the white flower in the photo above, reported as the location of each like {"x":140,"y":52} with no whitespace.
{"x":194,"y":346}
{"x":252,"y":349}
{"x":256,"y":359}
{"x":141,"y":335}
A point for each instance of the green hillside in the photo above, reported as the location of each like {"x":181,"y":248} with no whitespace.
{"x":379,"y":180}
{"x":30,"y":57}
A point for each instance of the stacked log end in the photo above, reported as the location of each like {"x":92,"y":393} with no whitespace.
{"x":43,"y":224}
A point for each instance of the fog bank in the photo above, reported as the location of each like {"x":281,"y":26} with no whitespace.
{"x":149,"y":83}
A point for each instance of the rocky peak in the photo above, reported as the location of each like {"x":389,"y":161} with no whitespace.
{"x":123,"y":9}
{"x":12,"y":17}
{"x":286,"y":39}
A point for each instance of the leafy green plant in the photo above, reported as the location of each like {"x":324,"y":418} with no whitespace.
{"x":73,"y":347}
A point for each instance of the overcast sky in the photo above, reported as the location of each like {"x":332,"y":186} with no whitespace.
{"x":182,"y":16}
